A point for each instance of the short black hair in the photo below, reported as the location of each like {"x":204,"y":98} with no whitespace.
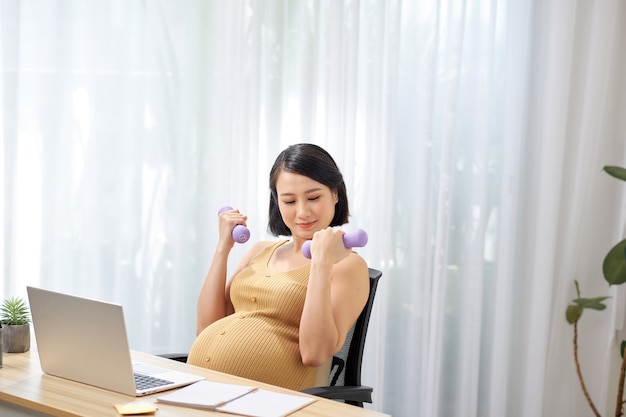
{"x":316,"y":163}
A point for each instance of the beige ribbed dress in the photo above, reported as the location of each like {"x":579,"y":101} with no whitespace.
{"x":260,"y":340}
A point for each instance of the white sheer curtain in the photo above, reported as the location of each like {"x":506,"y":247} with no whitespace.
{"x":578,"y":114}
{"x":471,"y":135}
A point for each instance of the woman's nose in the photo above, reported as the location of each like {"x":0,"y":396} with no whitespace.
{"x":302,"y":209}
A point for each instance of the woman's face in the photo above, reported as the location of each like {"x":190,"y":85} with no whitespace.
{"x":305,"y":205}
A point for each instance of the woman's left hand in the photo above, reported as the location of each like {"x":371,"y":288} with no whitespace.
{"x":327,"y":246}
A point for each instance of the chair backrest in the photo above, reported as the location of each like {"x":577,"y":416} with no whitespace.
{"x":346,"y":364}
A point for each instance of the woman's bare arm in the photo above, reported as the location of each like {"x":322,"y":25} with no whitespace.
{"x":337,"y":292}
{"x":214,"y":300}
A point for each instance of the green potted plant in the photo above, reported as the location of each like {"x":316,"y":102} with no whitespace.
{"x":15,"y":320}
{"x":614,"y":271}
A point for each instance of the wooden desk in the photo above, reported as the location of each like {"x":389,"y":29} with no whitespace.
{"x":26,"y":391}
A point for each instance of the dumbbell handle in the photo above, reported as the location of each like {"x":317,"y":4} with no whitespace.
{"x":355,"y":239}
{"x":240,"y":233}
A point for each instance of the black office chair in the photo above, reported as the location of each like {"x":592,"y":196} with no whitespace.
{"x":344,"y":382}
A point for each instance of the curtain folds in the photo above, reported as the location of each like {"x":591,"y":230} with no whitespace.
{"x":471,"y":135}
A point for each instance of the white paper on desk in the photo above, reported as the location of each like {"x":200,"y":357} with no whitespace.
{"x":262,"y":403}
{"x":206,"y":394}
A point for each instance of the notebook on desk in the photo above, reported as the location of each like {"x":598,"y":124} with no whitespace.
{"x":85,"y":340}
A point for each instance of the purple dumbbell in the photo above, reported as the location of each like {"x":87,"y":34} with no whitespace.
{"x":356,"y":239}
{"x":240,"y":233}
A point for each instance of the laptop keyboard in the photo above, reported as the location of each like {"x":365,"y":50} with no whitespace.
{"x":146,"y":381}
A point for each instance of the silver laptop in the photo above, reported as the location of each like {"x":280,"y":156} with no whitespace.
{"x":85,"y":340}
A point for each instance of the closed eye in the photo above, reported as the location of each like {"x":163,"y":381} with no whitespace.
{"x":290,"y":202}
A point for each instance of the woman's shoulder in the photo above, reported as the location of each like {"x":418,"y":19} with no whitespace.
{"x":353,"y":264}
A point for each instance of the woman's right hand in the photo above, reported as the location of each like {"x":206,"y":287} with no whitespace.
{"x":227,"y":222}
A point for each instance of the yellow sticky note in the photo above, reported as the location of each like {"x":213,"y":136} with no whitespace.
{"x":135,"y":408}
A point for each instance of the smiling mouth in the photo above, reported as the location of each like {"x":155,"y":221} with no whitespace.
{"x":306,"y":225}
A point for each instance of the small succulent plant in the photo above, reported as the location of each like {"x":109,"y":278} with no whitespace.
{"x":14,"y":312}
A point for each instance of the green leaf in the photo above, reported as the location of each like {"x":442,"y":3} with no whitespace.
{"x":614,"y":265}
{"x":593,"y":303}
{"x":617,"y":172}
{"x":621,"y":349}
{"x":573,"y":313}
